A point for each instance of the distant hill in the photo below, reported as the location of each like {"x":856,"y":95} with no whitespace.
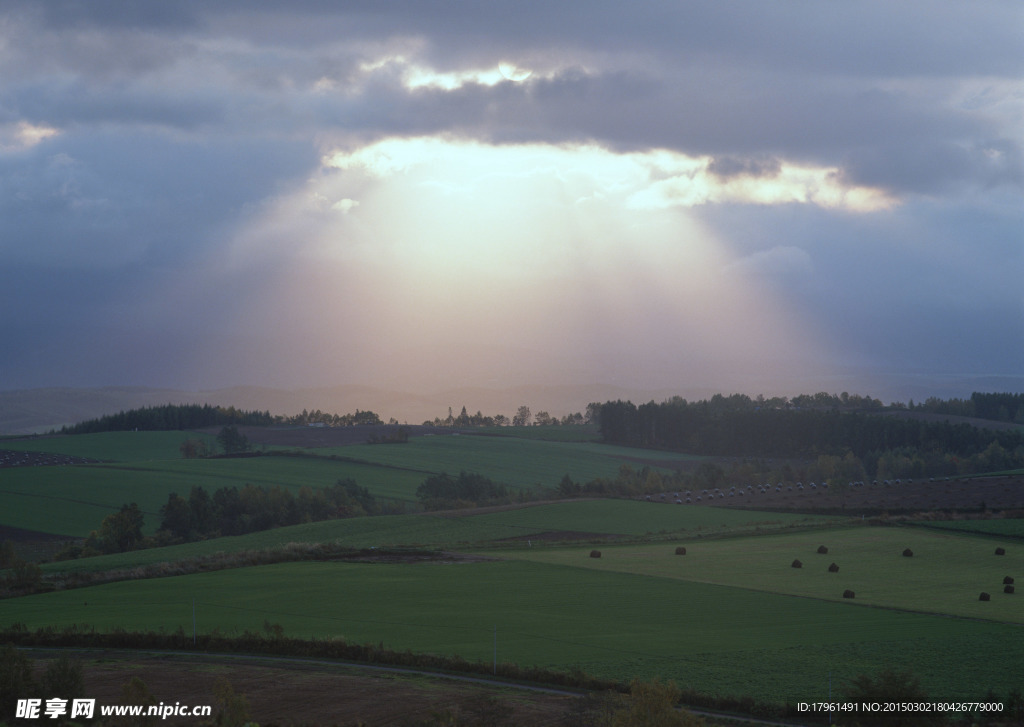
{"x":33,"y":411}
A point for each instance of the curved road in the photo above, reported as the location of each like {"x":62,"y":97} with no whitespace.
{"x":284,"y":661}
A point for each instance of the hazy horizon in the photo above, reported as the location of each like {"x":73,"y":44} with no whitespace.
{"x":755,"y":198}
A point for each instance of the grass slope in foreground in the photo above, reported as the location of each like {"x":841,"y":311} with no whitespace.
{"x":717,"y":639}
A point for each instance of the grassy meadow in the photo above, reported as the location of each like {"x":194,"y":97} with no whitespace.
{"x":145,"y":467}
{"x":945,"y":575}
{"x":731,"y":617}
{"x":1008,"y":527}
{"x":505,"y":528}
{"x":608,"y":623}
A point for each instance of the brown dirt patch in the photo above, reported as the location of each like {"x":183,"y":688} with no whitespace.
{"x":316,"y":437}
{"x":963,"y":494}
{"x":18,"y":458}
{"x":444,"y":557}
{"x":311,"y":694}
{"x":557,"y":536}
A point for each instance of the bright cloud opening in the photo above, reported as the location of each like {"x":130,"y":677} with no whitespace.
{"x":529,"y":259}
{"x":24,"y":135}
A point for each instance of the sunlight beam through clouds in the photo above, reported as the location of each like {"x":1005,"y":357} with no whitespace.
{"x":424,"y":248}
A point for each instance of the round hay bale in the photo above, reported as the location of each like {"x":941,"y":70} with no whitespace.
{"x":984,"y":596}
{"x":1008,"y":580}
{"x":908,"y":553}
{"x":833,"y":568}
{"x":680,"y":550}
{"x":1007,"y":589}
{"x":595,"y":554}
{"x":822,"y":549}
{"x":797,"y":564}
{"x":1000,"y":551}
{"x":848,"y":593}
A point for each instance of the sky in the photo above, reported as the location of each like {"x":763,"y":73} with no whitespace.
{"x":761,"y":197}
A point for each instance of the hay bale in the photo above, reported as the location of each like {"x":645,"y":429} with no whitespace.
{"x":1000,"y":551}
{"x":595,"y":554}
{"x":848,"y":593}
{"x":822,"y":549}
{"x":1007,"y":589}
{"x":984,"y":596}
{"x":908,"y":553}
{"x":1008,"y":580}
{"x":680,"y":550}
{"x":833,"y":568}
{"x":796,"y":564}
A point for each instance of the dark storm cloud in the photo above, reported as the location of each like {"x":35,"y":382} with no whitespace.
{"x":742,"y":78}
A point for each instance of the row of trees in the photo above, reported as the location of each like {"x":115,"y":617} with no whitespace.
{"x":997,"y":407}
{"x":236,"y":511}
{"x":733,"y":426}
{"x":522,"y":418}
{"x":469,"y":489}
{"x":228,"y":511}
{"x":174,"y":417}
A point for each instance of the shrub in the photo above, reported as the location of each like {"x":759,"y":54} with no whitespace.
{"x":822,"y":549}
{"x":654,"y":703}
{"x":680,"y":550}
{"x":796,"y":564}
{"x":595,"y":554}
{"x":984,"y":596}
{"x":135,"y":692}
{"x":1000,"y":551}
{"x":63,"y":678}
{"x":233,"y":708}
{"x":908,"y":553}
{"x":889,"y":687}
{"x":833,"y":568}
{"x":15,"y":680}
{"x":848,"y":593}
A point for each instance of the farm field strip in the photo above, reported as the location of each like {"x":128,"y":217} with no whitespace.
{"x":146,"y":467}
{"x":514,"y":461}
{"x":945,"y":575}
{"x":458,"y":530}
{"x":610,"y":624}
{"x":111,"y":446}
{"x":56,"y":491}
{"x":1009,"y":527}
{"x":636,"y":518}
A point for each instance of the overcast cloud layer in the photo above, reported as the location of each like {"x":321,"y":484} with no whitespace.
{"x":734,"y":195}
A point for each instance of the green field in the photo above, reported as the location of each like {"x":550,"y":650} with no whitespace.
{"x":506,"y":528}
{"x":731,"y":617}
{"x":610,"y":624}
{"x":516,"y":461}
{"x":1009,"y":527}
{"x":110,"y":446}
{"x":73,"y":499}
{"x":145,"y":467}
{"x":945,"y":575}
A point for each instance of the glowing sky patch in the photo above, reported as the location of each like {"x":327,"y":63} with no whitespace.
{"x":24,"y":135}
{"x":446,"y":245}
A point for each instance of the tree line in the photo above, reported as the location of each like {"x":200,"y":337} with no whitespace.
{"x":174,"y":417}
{"x":228,"y":511}
{"x":523,"y":417}
{"x":738,"y":425}
{"x":997,"y":407}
